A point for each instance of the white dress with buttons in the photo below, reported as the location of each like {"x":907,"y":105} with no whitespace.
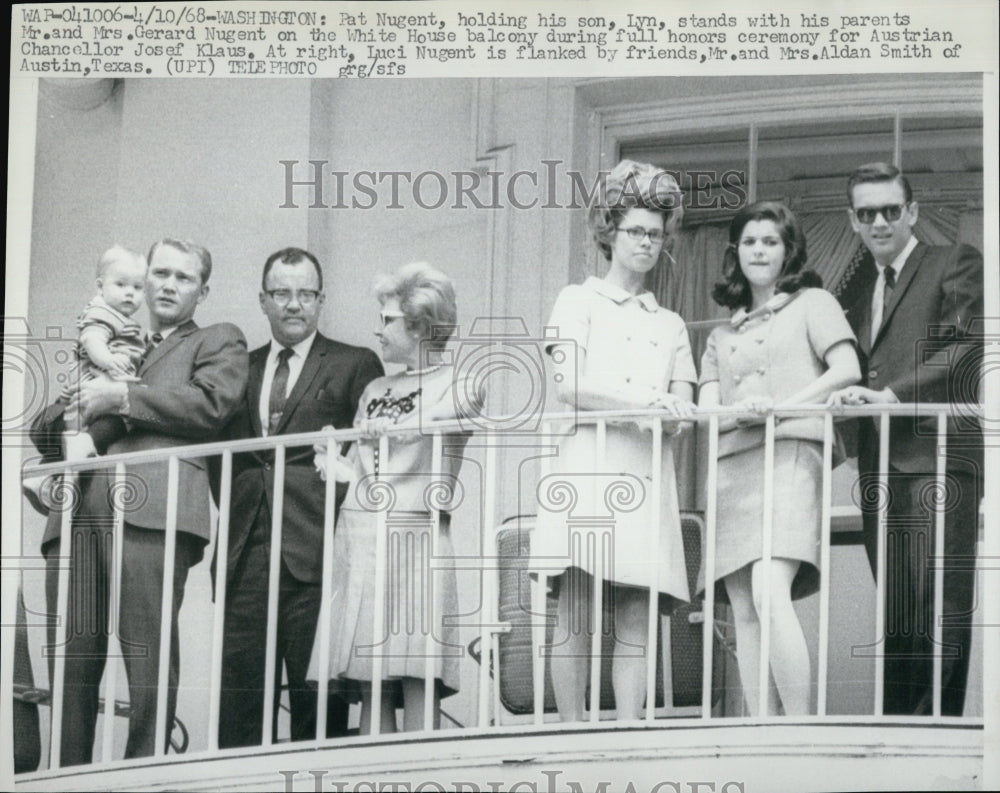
{"x":773,"y":352}
{"x":591,"y":500}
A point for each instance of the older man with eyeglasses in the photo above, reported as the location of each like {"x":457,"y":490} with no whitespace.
{"x":300,"y":381}
{"x":916,"y":327}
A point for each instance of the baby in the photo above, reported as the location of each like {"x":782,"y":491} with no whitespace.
{"x":110,"y":345}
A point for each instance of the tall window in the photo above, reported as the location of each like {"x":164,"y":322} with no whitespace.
{"x":805,"y":164}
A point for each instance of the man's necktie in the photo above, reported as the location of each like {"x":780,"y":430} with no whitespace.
{"x":151,"y":343}
{"x":276,"y":402}
{"x":886,"y":283}
{"x":890,"y":283}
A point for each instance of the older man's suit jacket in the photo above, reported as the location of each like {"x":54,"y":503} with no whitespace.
{"x":327,"y":391}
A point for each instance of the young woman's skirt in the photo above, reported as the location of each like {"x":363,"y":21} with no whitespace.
{"x":798,"y":478}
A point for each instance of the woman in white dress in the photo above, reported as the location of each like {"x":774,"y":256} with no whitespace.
{"x":617,"y":349}
{"x":417,"y":317}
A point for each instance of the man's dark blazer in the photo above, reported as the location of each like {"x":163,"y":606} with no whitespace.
{"x":191,"y":385}
{"x":925,"y":351}
{"x":327,"y":391}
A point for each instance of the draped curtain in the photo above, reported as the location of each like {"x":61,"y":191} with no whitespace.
{"x":685,"y":284}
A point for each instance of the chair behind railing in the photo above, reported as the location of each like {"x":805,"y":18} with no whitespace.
{"x":678,"y":666}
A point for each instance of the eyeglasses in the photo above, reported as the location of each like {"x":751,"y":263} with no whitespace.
{"x":890,"y":212}
{"x":388,"y":316}
{"x":283,"y":297}
{"x":636,"y":233}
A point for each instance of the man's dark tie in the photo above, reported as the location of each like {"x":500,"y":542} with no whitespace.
{"x":152,"y":342}
{"x":890,"y":283}
{"x":276,"y":402}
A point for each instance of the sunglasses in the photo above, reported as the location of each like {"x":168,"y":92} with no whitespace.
{"x":890,"y":212}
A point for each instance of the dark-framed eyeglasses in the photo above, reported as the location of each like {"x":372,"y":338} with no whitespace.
{"x":388,"y":316}
{"x":636,"y":233}
{"x":890,"y":212}
{"x":282,"y":297}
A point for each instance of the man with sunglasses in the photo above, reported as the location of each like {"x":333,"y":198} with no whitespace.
{"x":915,"y":327}
{"x":300,"y":381}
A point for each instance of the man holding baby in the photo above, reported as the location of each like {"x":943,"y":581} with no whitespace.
{"x":189,"y":383}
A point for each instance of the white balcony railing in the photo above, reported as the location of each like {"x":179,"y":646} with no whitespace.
{"x":487,"y":705}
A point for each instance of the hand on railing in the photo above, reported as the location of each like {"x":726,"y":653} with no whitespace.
{"x":859,"y":395}
{"x":373,"y":429}
{"x":673,"y":406}
{"x":760,"y":405}
{"x":343,"y":471}
{"x":676,"y":408}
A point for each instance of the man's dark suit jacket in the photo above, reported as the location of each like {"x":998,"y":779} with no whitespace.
{"x":924,"y":352}
{"x":191,"y":385}
{"x":327,"y":391}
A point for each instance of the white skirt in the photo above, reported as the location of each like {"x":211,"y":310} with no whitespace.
{"x":420,"y":600}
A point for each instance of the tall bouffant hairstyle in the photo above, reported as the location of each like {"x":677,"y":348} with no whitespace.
{"x":633,"y":185}
{"x":427,"y":299}
{"x":877,"y":172}
{"x":733,"y":291}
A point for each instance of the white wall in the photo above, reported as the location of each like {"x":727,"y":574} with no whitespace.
{"x":200,"y":159}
